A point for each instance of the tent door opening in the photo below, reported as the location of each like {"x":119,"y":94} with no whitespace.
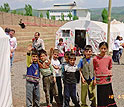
{"x":80,"y":38}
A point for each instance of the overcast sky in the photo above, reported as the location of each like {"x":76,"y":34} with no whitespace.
{"x":37,"y":4}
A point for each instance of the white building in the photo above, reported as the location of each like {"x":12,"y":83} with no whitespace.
{"x":58,"y":9}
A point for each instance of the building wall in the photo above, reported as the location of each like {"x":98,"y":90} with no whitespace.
{"x":58,"y":13}
{"x":83,"y":14}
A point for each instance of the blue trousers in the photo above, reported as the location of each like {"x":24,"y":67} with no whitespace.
{"x":11,"y":59}
{"x":32,"y":94}
{"x":115,"y":56}
{"x":70,"y":91}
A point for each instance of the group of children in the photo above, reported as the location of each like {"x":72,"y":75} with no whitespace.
{"x":92,"y":71}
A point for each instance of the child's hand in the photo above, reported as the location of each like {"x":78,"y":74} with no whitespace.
{"x":56,"y":67}
{"x":43,"y":66}
{"x":54,"y":79}
{"x":83,"y":80}
{"x":94,"y":82}
{"x":29,"y":48}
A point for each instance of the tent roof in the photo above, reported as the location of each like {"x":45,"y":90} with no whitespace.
{"x":85,"y":24}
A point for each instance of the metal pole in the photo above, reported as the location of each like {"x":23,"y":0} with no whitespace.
{"x":109,"y":22}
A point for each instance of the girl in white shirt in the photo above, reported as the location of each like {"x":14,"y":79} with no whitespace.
{"x":57,"y":68}
{"x":116,"y":46}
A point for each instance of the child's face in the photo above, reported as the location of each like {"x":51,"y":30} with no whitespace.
{"x":66,"y":58}
{"x":103,"y":49}
{"x":88,"y":53}
{"x":43,"y":57}
{"x":60,"y":42}
{"x":72,"y":61}
{"x":55,"y":55}
{"x":34,"y":58}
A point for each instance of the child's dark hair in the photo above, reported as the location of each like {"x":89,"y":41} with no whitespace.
{"x":12,"y":30}
{"x":60,"y":39}
{"x":117,"y":38}
{"x":87,"y":47}
{"x":67,"y":53}
{"x":72,"y":56}
{"x":7,"y":30}
{"x":34,"y":52}
{"x":103,"y":43}
{"x":42,"y":51}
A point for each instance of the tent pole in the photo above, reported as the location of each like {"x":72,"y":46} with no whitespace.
{"x":109,"y":22}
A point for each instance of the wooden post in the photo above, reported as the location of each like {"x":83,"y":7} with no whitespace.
{"x":109,"y":23}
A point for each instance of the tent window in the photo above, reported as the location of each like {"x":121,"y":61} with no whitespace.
{"x":66,"y":33}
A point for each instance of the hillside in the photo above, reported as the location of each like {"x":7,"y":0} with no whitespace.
{"x":117,"y":13}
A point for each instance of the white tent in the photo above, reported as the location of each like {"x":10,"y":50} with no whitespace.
{"x":95,"y":32}
{"x":5,"y":79}
{"x":120,"y":28}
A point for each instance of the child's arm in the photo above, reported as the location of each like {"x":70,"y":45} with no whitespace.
{"x":51,"y":53}
{"x":44,"y":65}
{"x":82,"y":77}
{"x":80,"y":66}
{"x":56,"y":67}
{"x":29,"y":56}
{"x":110,"y":64}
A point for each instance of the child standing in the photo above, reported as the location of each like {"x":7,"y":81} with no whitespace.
{"x":66,"y":57}
{"x":61,"y":48}
{"x":70,"y":81}
{"x":87,"y":76}
{"x":102,"y":67}
{"x":49,"y":79}
{"x":32,"y":79}
{"x":57,"y":68}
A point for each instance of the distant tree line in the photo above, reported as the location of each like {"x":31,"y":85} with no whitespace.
{"x":28,"y":12}
{"x":6,"y":8}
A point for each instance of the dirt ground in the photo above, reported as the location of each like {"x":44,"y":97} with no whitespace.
{"x":18,"y":82}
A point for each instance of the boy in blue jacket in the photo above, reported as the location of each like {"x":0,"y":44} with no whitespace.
{"x":32,"y":79}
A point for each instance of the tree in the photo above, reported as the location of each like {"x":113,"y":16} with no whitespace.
{"x":62,"y":16}
{"x":1,"y":8}
{"x":20,"y":13}
{"x":41,"y":15}
{"x":70,"y":15}
{"x":13,"y":11}
{"x":53,"y":17}
{"x":75,"y":17}
{"x":105,"y":16}
{"x":28,"y":10}
{"x":5,"y":7}
{"x":47,"y":14}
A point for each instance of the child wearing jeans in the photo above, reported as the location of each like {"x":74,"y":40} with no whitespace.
{"x":70,"y":81}
{"x":49,"y":79}
{"x":87,"y":76}
{"x":32,"y":79}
